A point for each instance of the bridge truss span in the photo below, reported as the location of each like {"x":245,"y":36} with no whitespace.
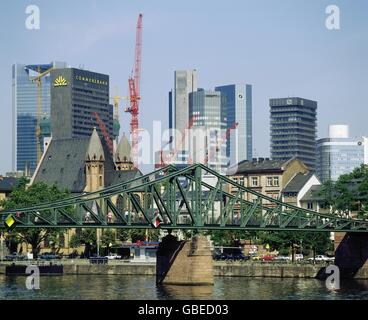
{"x":195,"y":197}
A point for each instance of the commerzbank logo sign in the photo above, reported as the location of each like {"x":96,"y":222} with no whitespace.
{"x":60,"y":81}
{"x":91,"y":80}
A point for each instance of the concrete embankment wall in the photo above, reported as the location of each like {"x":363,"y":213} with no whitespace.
{"x":219,"y":270}
{"x":267,"y":270}
{"x":126,"y":269}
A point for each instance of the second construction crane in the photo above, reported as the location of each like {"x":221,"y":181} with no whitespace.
{"x":134,"y":93}
{"x":38,"y":80}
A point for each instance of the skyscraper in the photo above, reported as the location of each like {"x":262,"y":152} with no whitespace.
{"x":24,"y":106}
{"x":209,"y":125}
{"x":75,"y":95}
{"x":185,"y":83}
{"x":293,"y":129}
{"x":238,"y":105}
{"x":171,"y":110}
{"x":339,"y":154}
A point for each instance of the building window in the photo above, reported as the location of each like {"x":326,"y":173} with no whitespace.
{"x":100,"y":180}
{"x":269,"y":181}
{"x":275,"y":181}
{"x":241,"y":181}
{"x":254,"y":181}
{"x":310,"y":205}
{"x":100,"y":170}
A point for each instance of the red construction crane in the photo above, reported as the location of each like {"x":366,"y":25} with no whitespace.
{"x":224,"y":138}
{"x":172,"y":156}
{"x":134,"y":92}
{"x":162,"y":161}
{"x":227,"y":135}
{"x":104,"y":132}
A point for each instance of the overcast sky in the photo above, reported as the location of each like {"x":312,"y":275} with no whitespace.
{"x":281,"y":47}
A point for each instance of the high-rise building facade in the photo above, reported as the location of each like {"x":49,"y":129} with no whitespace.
{"x":294,"y":129}
{"x":171,"y":110}
{"x":24,"y":108}
{"x":185,"y":82}
{"x":75,"y":95}
{"x":207,"y":144}
{"x":340,"y":154}
{"x":237,"y":101}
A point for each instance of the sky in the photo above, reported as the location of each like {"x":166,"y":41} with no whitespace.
{"x":281,"y":47}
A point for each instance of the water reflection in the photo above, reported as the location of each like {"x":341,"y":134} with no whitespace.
{"x":109,"y":287}
{"x":176,"y":292}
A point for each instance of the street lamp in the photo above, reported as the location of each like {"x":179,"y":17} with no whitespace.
{"x":1,"y":246}
{"x":301,"y":246}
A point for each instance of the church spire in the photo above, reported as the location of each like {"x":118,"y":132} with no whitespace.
{"x":95,"y":150}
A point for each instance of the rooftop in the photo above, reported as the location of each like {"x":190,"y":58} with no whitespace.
{"x":259,"y":165}
{"x":64,"y":165}
{"x":313,"y":194}
{"x":298,"y":182}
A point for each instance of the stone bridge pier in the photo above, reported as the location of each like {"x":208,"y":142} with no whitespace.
{"x":351,"y":254}
{"x":184,"y":262}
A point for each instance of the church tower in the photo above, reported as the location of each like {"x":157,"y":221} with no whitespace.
{"x":95,"y":159}
{"x":123,"y":160}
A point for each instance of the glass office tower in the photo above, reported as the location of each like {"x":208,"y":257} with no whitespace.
{"x":238,"y":107}
{"x":24,"y":107}
{"x":76,"y":95}
{"x":208,"y":144}
{"x":294,"y":130}
{"x":185,"y":82}
{"x":338,"y":154}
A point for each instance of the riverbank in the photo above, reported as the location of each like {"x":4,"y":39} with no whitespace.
{"x":221,"y":269}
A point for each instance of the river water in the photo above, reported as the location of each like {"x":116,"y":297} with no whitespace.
{"x":96,"y":287}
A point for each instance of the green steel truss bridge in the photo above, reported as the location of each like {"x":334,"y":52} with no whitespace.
{"x":170,"y":198}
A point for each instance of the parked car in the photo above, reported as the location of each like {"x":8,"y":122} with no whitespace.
{"x":216,"y":256}
{"x":73,"y":255}
{"x":242,"y":257}
{"x":268,"y":258}
{"x":15,"y":257}
{"x":49,"y":256}
{"x":113,"y":256}
{"x":256,"y":258}
{"x":298,"y":257}
{"x":321,"y":258}
{"x":282,"y":258}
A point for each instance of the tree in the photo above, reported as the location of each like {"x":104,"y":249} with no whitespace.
{"x":123,"y":235}
{"x":228,"y":237}
{"x":74,"y":241}
{"x":318,"y":242}
{"x":88,"y":238}
{"x":282,"y":241}
{"x":107,"y":239}
{"x":349,"y":193}
{"x":37,"y":193}
{"x":12,"y":240}
{"x":135,"y":235}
